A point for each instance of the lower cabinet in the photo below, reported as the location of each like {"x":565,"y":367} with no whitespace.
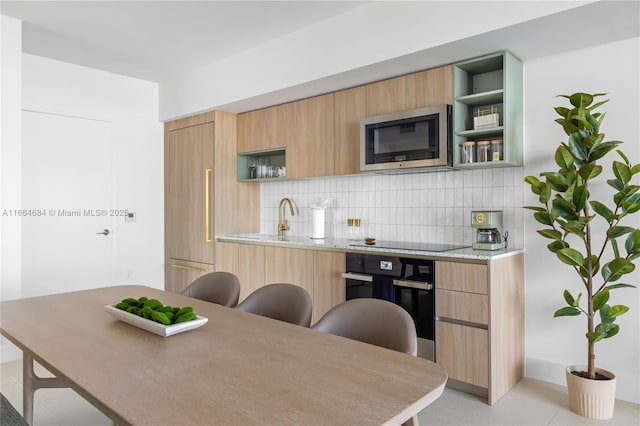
{"x":480,"y":327}
{"x":179,"y":273}
{"x":463,"y":351}
{"x":317,"y":271}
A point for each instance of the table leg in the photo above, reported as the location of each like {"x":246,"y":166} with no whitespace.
{"x":31,"y":382}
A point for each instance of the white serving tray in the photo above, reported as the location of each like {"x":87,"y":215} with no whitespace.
{"x":152,"y":326}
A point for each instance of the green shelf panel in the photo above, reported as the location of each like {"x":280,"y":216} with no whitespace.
{"x":480,"y":132}
{"x":485,"y":98}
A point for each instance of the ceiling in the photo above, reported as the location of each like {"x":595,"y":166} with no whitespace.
{"x":154,"y":40}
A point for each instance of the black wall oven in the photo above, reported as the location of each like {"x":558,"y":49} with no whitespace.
{"x":404,"y":281}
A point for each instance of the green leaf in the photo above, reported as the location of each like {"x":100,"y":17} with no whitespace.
{"x":618,"y":267}
{"x":604,"y":314}
{"x":601,"y":209}
{"x":589,"y":171}
{"x":563,"y":157}
{"x":615,"y":184}
{"x":600,"y":299}
{"x":632,"y":243}
{"x":550,"y":233}
{"x":617,"y":310}
{"x":614,"y":286}
{"x":577,"y":148}
{"x":565,"y":209}
{"x":617,"y":231}
{"x":602,"y":150}
{"x":562,"y":111}
{"x":615,"y":328}
{"x":635,"y":169}
{"x":543,"y":217}
{"x":570,"y":256}
{"x":592,"y":141}
{"x":595,"y":337}
{"x":535,"y":208}
{"x":579,"y":100}
{"x":622,"y":172}
{"x":532,"y":180}
{"x":624,"y":157}
{"x":580,"y":195}
{"x":557,"y":245}
{"x":556,"y":181}
{"x":595,"y":266}
{"x":545,"y":193}
{"x":567,"y":311}
{"x":569,"y":298}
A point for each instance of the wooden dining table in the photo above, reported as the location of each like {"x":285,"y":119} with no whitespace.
{"x":237,"y":369}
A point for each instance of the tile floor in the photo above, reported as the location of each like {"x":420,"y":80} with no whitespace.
{"x":530,"y":403}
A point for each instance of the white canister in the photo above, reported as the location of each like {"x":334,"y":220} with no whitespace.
{"x":317,"y":222}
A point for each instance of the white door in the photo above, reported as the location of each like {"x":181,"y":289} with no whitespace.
{"x":67,"y":184}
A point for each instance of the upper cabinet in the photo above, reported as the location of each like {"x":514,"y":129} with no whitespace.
{"x":310,"y":137}
{"x":488,"y":111}
{"x":386,"y":96}
{"x":349,"y":107}
{"x":263,"y":129}
{"x":429,"y":88}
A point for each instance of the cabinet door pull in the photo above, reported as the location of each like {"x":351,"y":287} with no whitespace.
{"x":207,"y":206}
{"x":188,"y":268}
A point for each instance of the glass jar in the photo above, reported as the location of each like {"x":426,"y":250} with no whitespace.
{"x":484,"y":151}
{"x":468,"y":152}
{"x":496,"y":150}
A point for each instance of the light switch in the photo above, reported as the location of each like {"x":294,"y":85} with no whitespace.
{"x":130,"y":217}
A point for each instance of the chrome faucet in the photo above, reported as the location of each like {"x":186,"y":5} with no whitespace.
{"x":283,"y":225}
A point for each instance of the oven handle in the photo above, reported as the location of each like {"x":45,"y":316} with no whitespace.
{"x":420,"y":285}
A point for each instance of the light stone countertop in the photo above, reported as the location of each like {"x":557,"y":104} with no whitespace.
{"x":343,"y":245}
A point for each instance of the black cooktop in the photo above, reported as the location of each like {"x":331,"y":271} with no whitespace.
{"x":401,"y":245}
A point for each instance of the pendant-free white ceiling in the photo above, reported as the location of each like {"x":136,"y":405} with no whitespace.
{"x":156,"y":39}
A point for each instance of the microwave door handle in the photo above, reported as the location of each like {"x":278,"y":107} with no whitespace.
{"x":357,"y":277}
{"x":413,"y":284}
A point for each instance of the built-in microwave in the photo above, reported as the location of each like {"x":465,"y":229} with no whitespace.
{"x":407,"y":139}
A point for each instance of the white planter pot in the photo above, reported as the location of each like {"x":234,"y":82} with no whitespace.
{"x":594,"y":399}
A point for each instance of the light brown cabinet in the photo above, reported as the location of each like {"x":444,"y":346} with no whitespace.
{"x":349,"y":107}
{"x":202,"y":195}
{"x":386,"y":96}
{"x":309,"y":135}
{"x":318,"y":272}
{"x":480,"y":327}
{"x":189,"y":180}
{"x":262,"y":129}
{"x":430,"y":87}
{"x":321,"y":134}
{"x":179,"y":273}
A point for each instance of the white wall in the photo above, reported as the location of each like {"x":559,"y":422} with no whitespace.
{"x":554,"y":343}
{"x":131,"y":106}
{"x":11,"y":166}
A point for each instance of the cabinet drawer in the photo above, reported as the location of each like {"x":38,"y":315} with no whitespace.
{"x":468,"y":307}
{"x":463,"y":352}
{"x":462,"y":277}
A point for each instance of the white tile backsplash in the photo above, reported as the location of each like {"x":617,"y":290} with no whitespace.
{"x":434,"y":207}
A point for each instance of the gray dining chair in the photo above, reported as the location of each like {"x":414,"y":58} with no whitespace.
{"x":284,"y":302}
{"x":222,"y":288}
{"x":373,"y":321}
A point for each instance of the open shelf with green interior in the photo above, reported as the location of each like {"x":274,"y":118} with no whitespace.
{"x":262,"y":166}
{"x":487,"y":97}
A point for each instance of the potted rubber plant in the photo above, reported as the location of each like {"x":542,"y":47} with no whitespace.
{"x":600,"y":259}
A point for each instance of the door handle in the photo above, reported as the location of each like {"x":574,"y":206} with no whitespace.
{"x":105,"y":232}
